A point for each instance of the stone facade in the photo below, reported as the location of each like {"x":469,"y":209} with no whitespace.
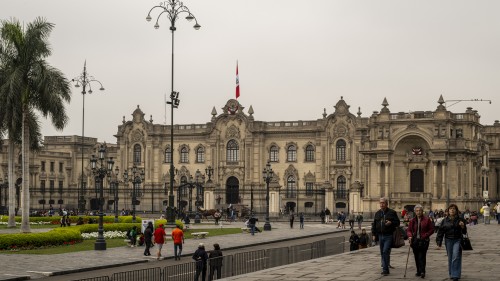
{"x":341,"y":161}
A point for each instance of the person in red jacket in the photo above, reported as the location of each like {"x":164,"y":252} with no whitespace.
{"x":419,"y":231}
{"x":159,"y":237}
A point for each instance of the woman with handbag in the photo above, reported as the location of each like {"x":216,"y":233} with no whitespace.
{"x":419,"y":231}
{"x":452,"y":229}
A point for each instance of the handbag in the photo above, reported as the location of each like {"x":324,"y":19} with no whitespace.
{"x":465,"y":243}
{"x":397,"y":239}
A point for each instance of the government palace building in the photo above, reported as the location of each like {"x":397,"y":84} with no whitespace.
{"x":342,"y":161}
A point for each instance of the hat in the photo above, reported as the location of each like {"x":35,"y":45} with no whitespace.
{"x":161,"y":225}
{"x":201,"y":245}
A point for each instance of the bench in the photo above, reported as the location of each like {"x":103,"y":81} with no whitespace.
{"x":199,"y":235}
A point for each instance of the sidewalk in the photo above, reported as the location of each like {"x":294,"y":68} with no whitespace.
{"x":481,"y":264}
{"x":23,"y":267}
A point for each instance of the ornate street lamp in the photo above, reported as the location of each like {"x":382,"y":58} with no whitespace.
{"x":267,"y":175}
{"x":137,"y":177}
{"x":172,"y":9}
{"x":100,"y":173}
{"x":86,"y":81}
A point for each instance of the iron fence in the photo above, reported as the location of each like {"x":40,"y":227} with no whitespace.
{"x":235,"y":264}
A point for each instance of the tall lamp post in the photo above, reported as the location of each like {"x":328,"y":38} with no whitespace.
{"x":173,"y":9}
{"x":100,"y":173}
{"x":86,"y":81}
{"x":114,"y":188}
{"x":267,"y":175}
{"x":137,"y":177}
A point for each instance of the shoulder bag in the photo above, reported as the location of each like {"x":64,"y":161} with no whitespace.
{"x":465,"y":243}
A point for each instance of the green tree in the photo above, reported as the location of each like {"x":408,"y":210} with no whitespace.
{"x":31,"y":85}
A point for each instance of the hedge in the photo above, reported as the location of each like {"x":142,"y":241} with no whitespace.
{"x":55,"y":237}
{"x":65,"y":235}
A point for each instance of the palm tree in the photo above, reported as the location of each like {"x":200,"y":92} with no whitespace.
{"x":33,"y":85}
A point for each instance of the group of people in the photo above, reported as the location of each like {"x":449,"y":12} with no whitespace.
{"x":420,"y":228}
{"x":157,"y":237}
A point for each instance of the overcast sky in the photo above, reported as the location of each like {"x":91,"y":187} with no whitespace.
{"x":295,"y":57}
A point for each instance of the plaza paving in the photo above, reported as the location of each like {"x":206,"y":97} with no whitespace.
{"x":480,"y":264}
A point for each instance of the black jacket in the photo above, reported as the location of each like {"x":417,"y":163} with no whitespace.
{"x":378,"y":225}
{"x":215,"y":258}
{"x":450,"y":229}
{"x":148,"y":235}
{"x":201,"y":257}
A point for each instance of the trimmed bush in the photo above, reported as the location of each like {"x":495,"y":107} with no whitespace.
{"x":55,"y":237}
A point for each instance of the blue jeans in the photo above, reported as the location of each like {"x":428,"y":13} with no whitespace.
{"x":252,"y":228}
{"x":177,"y":250}
{"x":385,"y":241}
{"x":454,"y":253}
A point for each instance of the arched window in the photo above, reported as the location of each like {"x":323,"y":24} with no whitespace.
{"x":291,"y":187}
{"x":291,"y":153}
{"x":137,"y":153}
{"x":232,"y":153}
{"x":184,"y":155}
{"x":341,"y":188}
{"x":341,"y":150}
{"x":309,"y":153}
{"x":184,"y":189}
{"x":273,"y":154}
{"x":200,"y":155}
{"x":168,"y":155}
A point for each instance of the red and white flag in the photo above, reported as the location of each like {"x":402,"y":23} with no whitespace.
{"x":237,"y":82}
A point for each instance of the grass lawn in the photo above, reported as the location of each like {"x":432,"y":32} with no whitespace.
{"x":35,"y":226}
{"x":88,"y":245}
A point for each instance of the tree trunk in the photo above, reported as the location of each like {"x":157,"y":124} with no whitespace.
{"x":12,"y":189}
{"x":25,"y":192}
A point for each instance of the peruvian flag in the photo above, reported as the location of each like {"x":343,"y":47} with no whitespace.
{"x":237,"y":82}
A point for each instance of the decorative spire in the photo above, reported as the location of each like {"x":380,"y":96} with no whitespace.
{"x":441,"y":102}
{"x":250,"y":110}
{"x":123,"y":120}
{"x":359,"y":111}
{"x":150,"y":118}
{"x":385,"y":104}
{"x":324,"y":113}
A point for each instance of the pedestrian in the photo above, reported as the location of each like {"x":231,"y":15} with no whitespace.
{"x":353,"y":241}
{"x":352,"y":217}
{"x":322,"y":216}
{"x":364,"y":239}
{"x":452,"y":228}
{"x":419,"y":231}
{"x":342,"y":219}
{"x":251,"y":224}
{"x":327,"y":215}
{"x":292,"y":218}
{"x":301,"y":220}
{"x":385,"y":222}
{"x":148,"y":238}
{"x":133,"y":236}
{"x":497,"y":208}
{"x":159,"y":237}
{"x":178,"y":238}
{"x":215,"y":261}
{"x":359,"y":219}
{"x":217,"y":216}
{"x":485,"y":210}
{"x":200,"y":257}
{"x":63,"y":221}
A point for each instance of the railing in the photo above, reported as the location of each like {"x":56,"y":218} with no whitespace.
{"x":235,"y":264}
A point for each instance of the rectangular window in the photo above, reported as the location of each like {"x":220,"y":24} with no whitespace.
{"x":52,"y":187}
{"x":42,"y":164}
{"x":60,"y":187}
{"x":42,"y":186}
{"x":61,"y":167}
{"x":52,"y":166}
{"x":309,"y":188}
